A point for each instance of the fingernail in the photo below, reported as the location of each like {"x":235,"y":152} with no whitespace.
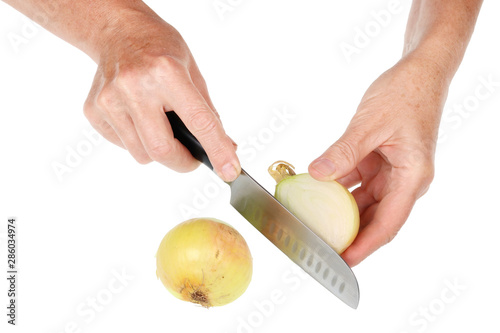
{"x":229,"y":172}
{"x":324,"y":167}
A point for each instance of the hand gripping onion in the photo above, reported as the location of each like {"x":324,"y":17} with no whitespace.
{"x":204,"y":261}
{"x":327,"y":208}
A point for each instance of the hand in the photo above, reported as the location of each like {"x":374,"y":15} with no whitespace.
{"x":389,"y":148}
{"x":144,"y":69}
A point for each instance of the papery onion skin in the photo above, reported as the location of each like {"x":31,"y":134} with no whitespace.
{"x":204,"y":261}
{"x":327,"y":208}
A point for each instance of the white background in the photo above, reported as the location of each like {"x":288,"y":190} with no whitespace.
{"x":109,"y":214}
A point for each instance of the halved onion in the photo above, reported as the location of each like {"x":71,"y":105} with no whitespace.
{"x":327,"y":208}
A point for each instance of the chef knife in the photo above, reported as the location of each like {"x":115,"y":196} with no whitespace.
{"x":281,"y":227}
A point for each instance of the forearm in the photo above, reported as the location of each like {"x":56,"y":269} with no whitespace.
{"x":439,"y":31}
{"x":83,"y":23}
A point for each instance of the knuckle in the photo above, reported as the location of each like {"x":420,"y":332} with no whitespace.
{"x":143,"y":159}
{"x":427,"y":173}
{"x":167,"y":65}
{"x":126,"y":79}
{"x":218,"y":152}
{"x":200,"y":82}
{"x":202,"y":120}
{"x":424,"y":170}
{"x":389,"y":234}
{"x":422,"y":165}
{"x":150,"y":76}
{"x":94,"y":117}
{"x":346,"y":150}
{"x":89,"y":110}
{"x":422,"y":174}
{"x":159,"y":150}
{"x":106,"y":98}
{"x":135,"y":83}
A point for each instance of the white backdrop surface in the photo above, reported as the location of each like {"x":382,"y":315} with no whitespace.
{"x":91,"y":233}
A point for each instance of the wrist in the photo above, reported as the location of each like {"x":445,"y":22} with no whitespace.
{"x":439,"y":31}
{"x":432,"y":59}
{"x":116,"y":21}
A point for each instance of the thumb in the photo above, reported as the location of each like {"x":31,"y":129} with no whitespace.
{"x":341,"y":158}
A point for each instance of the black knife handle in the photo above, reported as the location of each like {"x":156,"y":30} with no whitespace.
{"x":185,"y":137}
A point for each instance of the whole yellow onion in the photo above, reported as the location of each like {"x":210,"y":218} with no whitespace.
{"x":204,"y":261}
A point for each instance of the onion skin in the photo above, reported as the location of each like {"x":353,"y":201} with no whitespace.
{"x":204,"y":261}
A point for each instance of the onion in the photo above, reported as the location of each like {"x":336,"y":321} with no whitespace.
{"x":204,"y":261}
{"x":327,"y":208}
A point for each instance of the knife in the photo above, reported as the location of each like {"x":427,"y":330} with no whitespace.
{"x":281,"y":227}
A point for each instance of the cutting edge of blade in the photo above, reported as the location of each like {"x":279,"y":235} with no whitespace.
{"x":353,"y":280}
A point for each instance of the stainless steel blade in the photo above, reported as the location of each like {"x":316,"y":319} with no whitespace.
{"x":293,"y":238}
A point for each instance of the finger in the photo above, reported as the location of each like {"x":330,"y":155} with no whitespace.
{"x":367,"y":216}
{"x":158,"y":140}
{"x":368,"y":168}
{"x":95,"y":118}
{"x":108,"y":133}
{"x":211,"y":105}
{"x":124,"y":128}
{"x":201,"y":85}
{"x":351,"y":179}
{"x":363,"y":199}
{"x":198,"y":117}
{"x":341,"y":158}
{"x":389,"y":217}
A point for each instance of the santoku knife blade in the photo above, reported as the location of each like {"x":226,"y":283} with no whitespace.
{"x":281,"y":227}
